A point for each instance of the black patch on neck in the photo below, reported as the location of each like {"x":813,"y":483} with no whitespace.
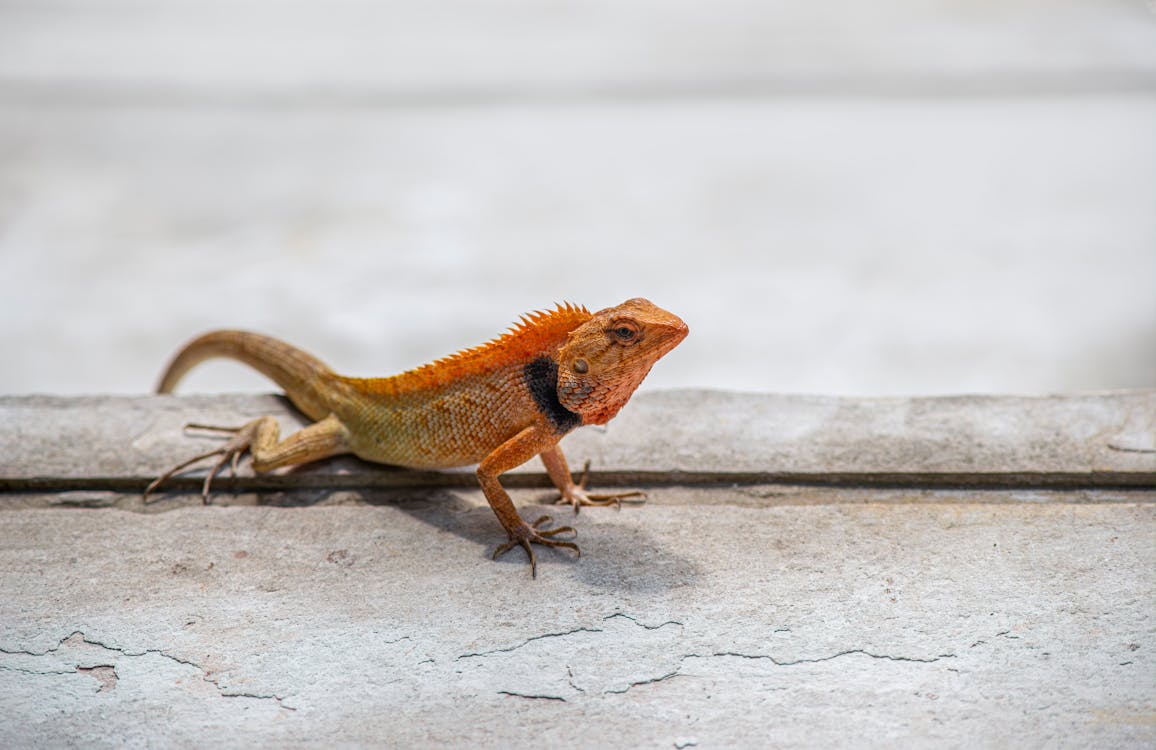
{"x":542,"y":380}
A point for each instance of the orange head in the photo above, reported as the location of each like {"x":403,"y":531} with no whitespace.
{"x":604,"y":359}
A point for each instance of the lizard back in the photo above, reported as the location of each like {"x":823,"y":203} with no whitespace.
{"x":456,"y":410}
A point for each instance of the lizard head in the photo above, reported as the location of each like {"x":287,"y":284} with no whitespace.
{"x":604,"y":359}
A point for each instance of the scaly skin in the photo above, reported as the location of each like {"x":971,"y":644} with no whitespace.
{"x":496,"y":405}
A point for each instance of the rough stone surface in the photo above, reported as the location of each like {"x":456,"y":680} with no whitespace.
{"x":683,"y":624}
{"x":668,"y":437}
{"x":730,"y":612}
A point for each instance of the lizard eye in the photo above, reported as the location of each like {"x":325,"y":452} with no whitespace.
{"x":624,"y":331}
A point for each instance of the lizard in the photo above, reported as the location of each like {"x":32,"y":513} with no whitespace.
{"x":496,"y":405}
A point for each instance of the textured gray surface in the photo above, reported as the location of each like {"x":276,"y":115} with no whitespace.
{"x":786,"y":625}
{"x":668,"y":437}
{"x":738,"y":613}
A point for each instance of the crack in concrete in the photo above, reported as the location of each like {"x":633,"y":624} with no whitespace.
{"x":529,"y":696}
{"x":528,"y":641}
{"x":661,"y":678}
{"x":641,"y":624}
{"x":565,"y":633}
{"x":206,"y":675}
{"x":848,"y":652}
{"x":570,"y":680}
{"x":677,"y":671}
{"x":1129,"y":449}
{"x":46,"y":652}
{"x":22,"y":670}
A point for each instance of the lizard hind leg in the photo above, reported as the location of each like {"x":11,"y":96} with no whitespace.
{"x":261,"y":438}
{"x":243,"y":438}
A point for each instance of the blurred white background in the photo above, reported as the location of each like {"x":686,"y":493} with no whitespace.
{"x":846,"y":198}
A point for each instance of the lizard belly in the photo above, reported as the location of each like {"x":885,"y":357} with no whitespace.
{"x":453,"y":429}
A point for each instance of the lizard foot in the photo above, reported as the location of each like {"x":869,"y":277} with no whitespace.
{"x":528,"y":534}
{"x":576,"y":495}
{"x":230,"y":453}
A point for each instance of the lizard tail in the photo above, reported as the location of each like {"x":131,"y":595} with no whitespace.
{"x":303,"y":377}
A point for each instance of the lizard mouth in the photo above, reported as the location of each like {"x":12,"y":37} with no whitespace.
{"x":672,"y":334}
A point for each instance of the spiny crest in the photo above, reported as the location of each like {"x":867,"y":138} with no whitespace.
{"x":532,"y":331}
{"x":536,"y":333}
{"x":567,"y":311}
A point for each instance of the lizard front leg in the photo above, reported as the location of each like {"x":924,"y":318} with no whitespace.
{"x":510,"y":454}
{"x":262,"y":439}
{"x":575,"y":494}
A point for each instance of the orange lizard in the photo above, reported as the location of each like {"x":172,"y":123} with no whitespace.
{"x":496,"y":405}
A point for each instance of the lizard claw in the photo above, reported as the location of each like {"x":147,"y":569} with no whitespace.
{"x":528,"y":534}
{"x":577,"y":496}
{"x":230,"y":453}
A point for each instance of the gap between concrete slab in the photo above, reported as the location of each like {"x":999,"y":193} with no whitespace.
{"x":459,"y":499}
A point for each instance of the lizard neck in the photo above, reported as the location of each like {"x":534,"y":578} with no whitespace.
{"x":541,"y":376}
{"x":598,"y":401}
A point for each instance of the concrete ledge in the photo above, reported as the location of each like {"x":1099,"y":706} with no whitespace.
{"x":674,"y":437}
{"x":728,"y":614}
